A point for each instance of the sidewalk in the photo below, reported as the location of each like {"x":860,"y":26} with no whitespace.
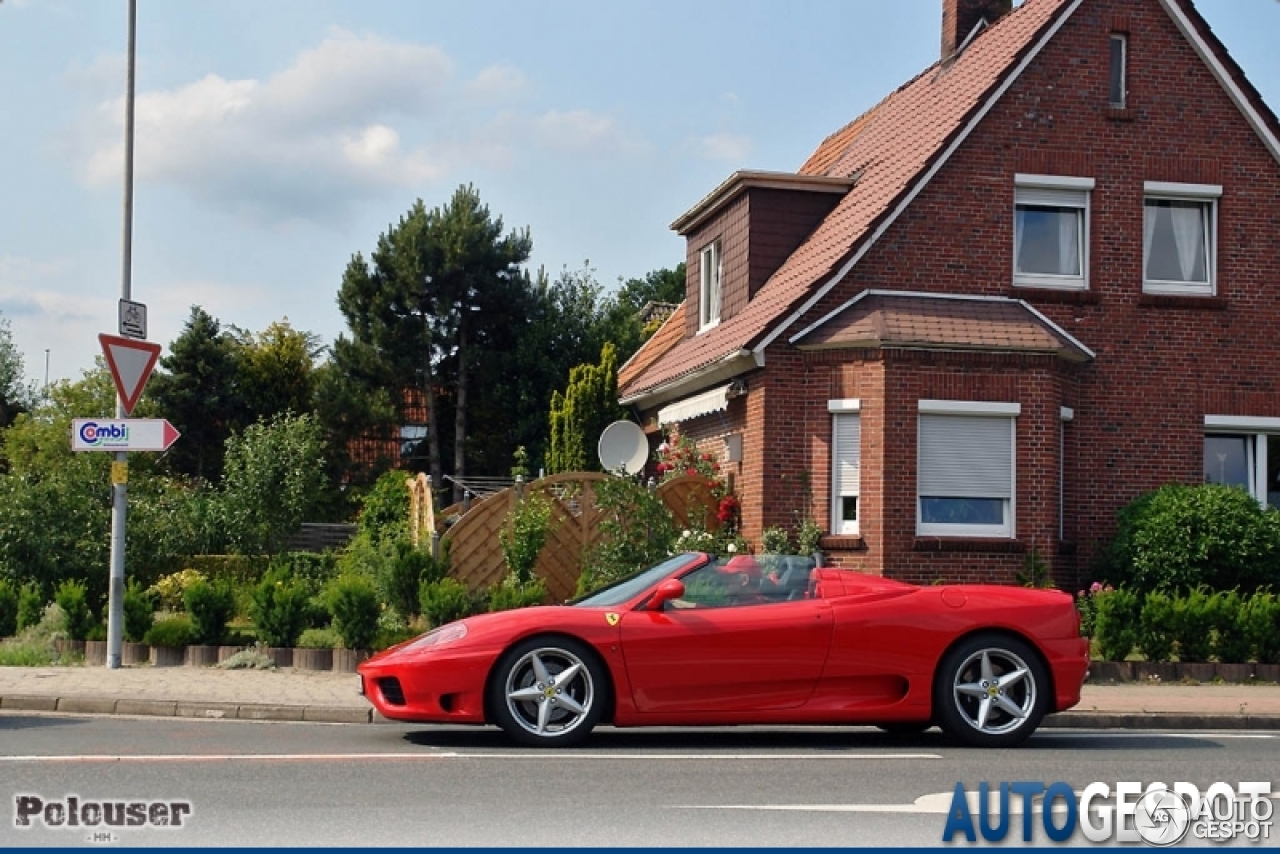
{"x":304,"y":695}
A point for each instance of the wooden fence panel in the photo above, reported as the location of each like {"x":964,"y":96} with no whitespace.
{"x":475,"y":552}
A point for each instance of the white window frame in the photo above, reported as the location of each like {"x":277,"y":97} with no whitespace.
{"x":1205,"y":194}
{"x":846,"y":408}
{"x":711,"y":286}
{"x":1059,"y":191}
{"x":1000,"y":410}
{"x":1124,"y":71}
{"x":1256,"y":431}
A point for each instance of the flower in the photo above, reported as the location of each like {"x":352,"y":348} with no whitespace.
{"x":732,"y":547}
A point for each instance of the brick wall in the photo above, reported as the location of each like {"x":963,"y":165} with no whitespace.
{"x":1162,"y":363}
{"x":780,"y":221}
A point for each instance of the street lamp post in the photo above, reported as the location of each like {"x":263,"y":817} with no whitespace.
{"x":119,"y":471}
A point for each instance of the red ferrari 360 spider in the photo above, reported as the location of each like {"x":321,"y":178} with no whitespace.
{"x":748,"y":640}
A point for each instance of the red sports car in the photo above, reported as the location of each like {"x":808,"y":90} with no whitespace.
{"x":767,"y":639}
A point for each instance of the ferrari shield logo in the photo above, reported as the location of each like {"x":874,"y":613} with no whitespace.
{"x":612,"y":618}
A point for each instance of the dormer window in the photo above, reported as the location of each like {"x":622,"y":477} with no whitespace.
{"x":709,"y":290}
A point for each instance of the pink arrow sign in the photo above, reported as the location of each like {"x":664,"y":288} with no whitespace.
{"x":130,"y":361}
{"x":130,"y":434}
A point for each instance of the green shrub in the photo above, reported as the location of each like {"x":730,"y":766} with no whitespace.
{"x":175,"y":631}
{"x":807,"y":536}
{"x":319,"y":639}
{"x":524,"y":533}
{"x":353,"y":602}
{"x":139,"y":612}
{"x":1158,"y":626}
{"x":385,"y":509}
{"x":1194,"y":619}
{"x":445,"y":600}
{"x":636,"y":530}
{"x":8,"y":609}
{"x":248,"y":659}
{"x":278,"y":608}
{"x":171,"y":589}
{"x":17,"y":653}
{"x":1230,"y":644}
{"x":1087,"y":606}
{"x":392,"y":635}
{"x":31,"y":604}
{"x":402,"y":576}
{"x":1178,"y":537}
{"x":1260,"y":621}
{"x":1117,"y":621}
{"x":73,"y":598}
{"x":97,"y":632}
{"x":210,"y":605}
{"x":775,"y":541}
{"x":510,"y":593}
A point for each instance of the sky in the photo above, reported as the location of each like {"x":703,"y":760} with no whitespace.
{"x":275,"y":140}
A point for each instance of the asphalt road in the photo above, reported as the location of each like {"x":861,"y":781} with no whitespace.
{"x":333,"y":784}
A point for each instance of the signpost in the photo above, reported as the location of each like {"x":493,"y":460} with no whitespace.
{"x":130,"y":434}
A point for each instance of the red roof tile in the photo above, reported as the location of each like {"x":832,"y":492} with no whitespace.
{"x":880,"y":319}
{"x":889,"y":148}
{"x":657,"y":345}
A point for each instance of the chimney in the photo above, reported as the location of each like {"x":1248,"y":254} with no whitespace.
{"x":959,"y":17}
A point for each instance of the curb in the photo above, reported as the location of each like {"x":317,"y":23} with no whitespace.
{"x":1159,"y":720}
{"x":173,"y":708}
{"x":352,"y":715}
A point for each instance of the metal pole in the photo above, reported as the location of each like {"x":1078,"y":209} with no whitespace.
{"x":119,"y":470}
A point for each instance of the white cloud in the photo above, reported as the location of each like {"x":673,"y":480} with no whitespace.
{"x":730,"y":147}
{"x":498,"y":82}
{"x":579,"y":131}
{"x":351,"y":118}
{"x":302,"y":144}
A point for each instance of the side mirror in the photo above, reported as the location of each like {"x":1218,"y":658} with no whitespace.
{"x":672,"y":588}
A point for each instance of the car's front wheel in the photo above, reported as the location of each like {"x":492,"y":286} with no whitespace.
{"x":548,"y":692}
{"x":991,"y":691}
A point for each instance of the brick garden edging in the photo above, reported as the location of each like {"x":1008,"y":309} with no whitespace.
{"x":1166,"y":671}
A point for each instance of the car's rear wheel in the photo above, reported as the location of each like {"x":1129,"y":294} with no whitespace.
{"x":991,"y":691}
{"x":548,"y":692}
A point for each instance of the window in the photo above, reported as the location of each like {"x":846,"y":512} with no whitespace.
{"x":1248,"y":457}
{"x":1119,"y":73}
{"x":412,"y":440}
{"x":846,"y":465}
{"x":965,"y":469}
{"x":709,"y":293}
{"x":1051,"y":231}
{"x":1178,"y":252}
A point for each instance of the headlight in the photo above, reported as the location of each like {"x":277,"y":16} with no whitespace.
{"x":435,"y":637}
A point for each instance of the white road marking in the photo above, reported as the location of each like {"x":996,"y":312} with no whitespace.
{"x":937,"y":803}
{"x":227,"y":757}
{"x":1148,"y":733}
{"x":400,"y":757}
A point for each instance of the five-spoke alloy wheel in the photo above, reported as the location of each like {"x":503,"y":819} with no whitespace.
{"x":991,"y":691}
{"x":548,"y":692}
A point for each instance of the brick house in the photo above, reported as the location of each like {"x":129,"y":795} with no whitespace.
{"x":1037,"y":280}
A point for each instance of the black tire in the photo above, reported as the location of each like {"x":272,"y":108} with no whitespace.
{"x":537,"y":709}
{"x":912,"y":728}
{"x":1014,"y":691}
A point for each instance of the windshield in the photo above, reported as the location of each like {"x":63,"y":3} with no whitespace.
{"x":631,"y":586}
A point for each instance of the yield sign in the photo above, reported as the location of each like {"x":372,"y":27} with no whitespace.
{"x":130,"y":362}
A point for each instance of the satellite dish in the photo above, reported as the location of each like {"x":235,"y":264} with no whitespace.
{"x":623,"y":445}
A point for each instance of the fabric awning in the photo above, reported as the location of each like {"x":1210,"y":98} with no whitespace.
{"x":714,"y":400}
